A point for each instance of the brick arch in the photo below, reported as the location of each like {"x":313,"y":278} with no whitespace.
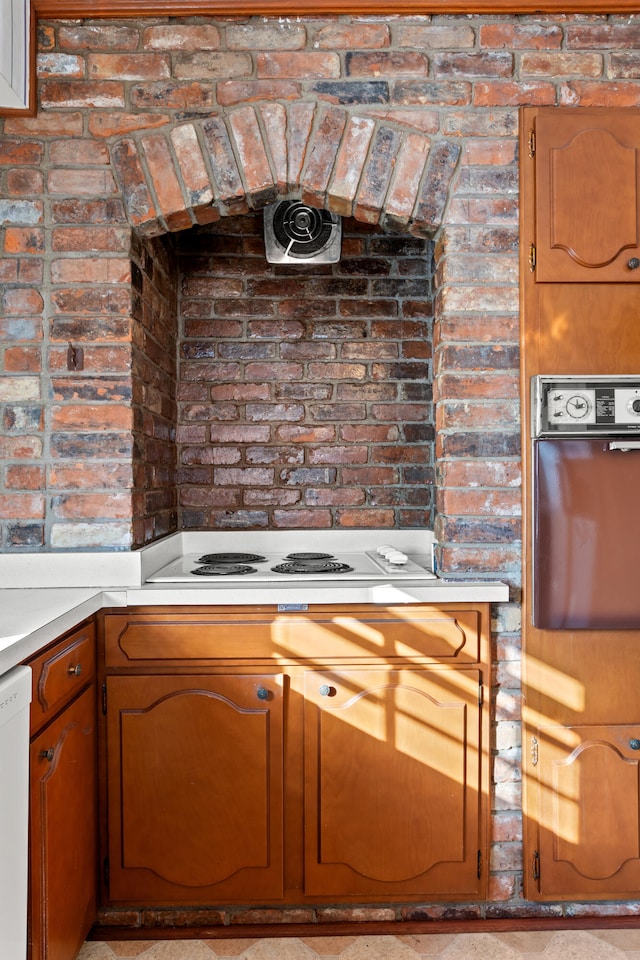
{"x":198,"y":171}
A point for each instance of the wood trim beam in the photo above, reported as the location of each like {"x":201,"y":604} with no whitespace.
{"x":97,"y":9}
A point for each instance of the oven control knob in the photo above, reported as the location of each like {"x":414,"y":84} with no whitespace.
{"x":635,"y":405}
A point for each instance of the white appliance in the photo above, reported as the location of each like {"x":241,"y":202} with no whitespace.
{"x":292,"y":563}
{"x":15,"y":697}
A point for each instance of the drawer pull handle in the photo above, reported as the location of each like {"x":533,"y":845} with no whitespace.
{"x":48,"y":754}
{"x":327,"y":691}
{"x":75,"y":671}
{"x":634,"y":743}
{"x":264,"y":694}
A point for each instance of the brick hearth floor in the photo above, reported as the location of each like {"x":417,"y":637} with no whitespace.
{"x":533,"y":945}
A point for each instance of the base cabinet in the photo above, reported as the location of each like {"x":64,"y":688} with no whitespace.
{"x":392,"y":782}
{"x":588,"y":795}
{"x":63,"y":798}
{"x":299,"y":777}
{"x":195,"y":787}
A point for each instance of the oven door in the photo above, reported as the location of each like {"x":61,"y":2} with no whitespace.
{"x":586,"y":534}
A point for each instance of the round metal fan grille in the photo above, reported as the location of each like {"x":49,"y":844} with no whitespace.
{"x":302,"y":230}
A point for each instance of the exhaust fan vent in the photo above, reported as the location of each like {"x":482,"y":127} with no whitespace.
{"x":295,"y":233}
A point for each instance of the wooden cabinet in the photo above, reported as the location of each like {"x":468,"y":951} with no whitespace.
{"x":392,"y":782}
{"x":588,"y":811}
{"x":340,"y":753}
{"x":63,"y":797}
{"x":195,"y":787}
{"x":587,"y":171}
{"x":580,"y":216}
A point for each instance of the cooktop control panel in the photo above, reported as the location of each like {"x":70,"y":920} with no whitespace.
{"x":585,"y":406}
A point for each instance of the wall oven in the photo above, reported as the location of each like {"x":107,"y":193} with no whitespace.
{"x":586,"y":502}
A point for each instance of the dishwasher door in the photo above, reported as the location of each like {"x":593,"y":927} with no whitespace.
{"x":15,"y":697}
{"x":586,"y":550}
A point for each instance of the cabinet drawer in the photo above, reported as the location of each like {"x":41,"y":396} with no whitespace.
{"x":345,"y":633}
{"x":61,"y":672}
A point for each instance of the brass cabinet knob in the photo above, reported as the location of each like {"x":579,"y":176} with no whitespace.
{"x":75,"y":671}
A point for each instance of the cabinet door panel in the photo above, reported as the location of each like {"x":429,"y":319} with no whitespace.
{"x":64,"y":832}
{"x":392,"y":762}
{"x":587,"y":195}
{"x":195,"y":787}
{"x":589,"y":789}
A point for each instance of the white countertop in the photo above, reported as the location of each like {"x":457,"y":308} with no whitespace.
{"x":37,"y":606}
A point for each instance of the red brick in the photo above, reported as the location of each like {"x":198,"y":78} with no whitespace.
{"x":82,"y":93}
{"x":402,"y":195}
{"x":24,"y":182}
{"x":300,"y":66}
{"x":21,"y":448}
{"x":78,"y":152}
{"x":173,"y":95}
{"x":91,"y":505}
{"x":232,"y":92}
{"x":348,"y":36}
{"x":60,"y":65}
{"x":376,"y":175}
{"x":556,"y":65}
{"x":302,"y":519}
{"x":348,"y":165}
{"x":521,"y":36}
{"x":322,"y":153}
{"x":21,"y":506}
{"x":257,"y":173}
{"x":49,"y":124}
{"x":229,"y":184}
{"x":118,"y":124}
{"x":98,"y":417}
{"x":129,"y":66}
{"x":211,"y":66}
{"x":365,"y":518}
{"x":166,"y":184}
{"x":473,"y":64}
{"x":19,"y":301}
{"x":24,"y":477}
{"x":91,"y":270}
{"x":24,"y":240}
{"x":180,"y":36}
{"x":81,"y":182}
{"x":584,"y":93}
{"x":22,"y":360}
{"x":129,"y":171}
{"x":301,"y":116}
{"x":191,"y":166}
{"x":387,"y":63}
{"x":17,"y":152}
{"x":503,"y":94}
{"x":102,"y":36}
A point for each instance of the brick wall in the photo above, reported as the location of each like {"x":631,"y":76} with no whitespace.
{"x":305,"y":392}
{"x":85,"y":454}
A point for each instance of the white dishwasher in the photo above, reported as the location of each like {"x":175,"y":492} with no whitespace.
{"x":15,"y":697}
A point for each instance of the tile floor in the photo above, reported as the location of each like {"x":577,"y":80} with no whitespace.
{"x":532,"y":945}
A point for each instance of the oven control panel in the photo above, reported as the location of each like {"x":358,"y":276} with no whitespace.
{"x":585,"y":406}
